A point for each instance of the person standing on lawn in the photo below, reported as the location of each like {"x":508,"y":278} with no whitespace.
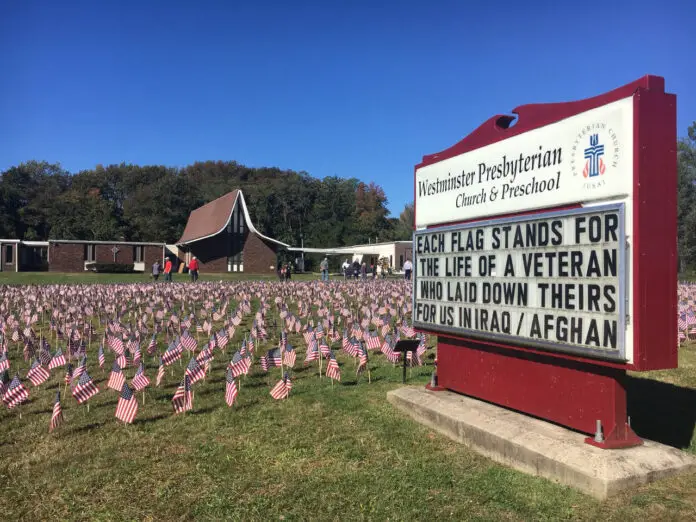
{"x":193,"y":269}
{"x":168,"y":270}
{"x":155,"y":270}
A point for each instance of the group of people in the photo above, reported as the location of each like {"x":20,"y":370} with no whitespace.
{"x":193,"y":267}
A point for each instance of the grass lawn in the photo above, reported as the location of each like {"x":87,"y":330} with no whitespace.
{"x":325,"y":453}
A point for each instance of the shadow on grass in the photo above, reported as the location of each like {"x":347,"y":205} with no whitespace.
{"x":661,"y":411}
{"x":41,"y":412}
{"x":257,"y":384}
{"x":108,"y":403}
{"x":88,"y":427}
{"x":201,"y":411}
{"x":150,"y":420}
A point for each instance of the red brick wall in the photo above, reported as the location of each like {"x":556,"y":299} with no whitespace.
{"x":152,"y":254}
{"x":70,"y":257}
{"x":211,"y":253}
{"x":259,"y":256}
{"x":123,"y":256}
{"x":66,"y":257}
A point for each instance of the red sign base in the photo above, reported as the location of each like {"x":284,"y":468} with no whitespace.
{"x":572,"y":393}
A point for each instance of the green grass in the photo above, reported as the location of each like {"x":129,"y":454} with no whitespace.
{"x":326,"y":453}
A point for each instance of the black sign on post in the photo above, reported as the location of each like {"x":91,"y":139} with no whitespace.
{"x":403,"y":346}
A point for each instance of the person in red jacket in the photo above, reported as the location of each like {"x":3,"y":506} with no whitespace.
{"x":193,"y":269}
{"x":168,"y":270}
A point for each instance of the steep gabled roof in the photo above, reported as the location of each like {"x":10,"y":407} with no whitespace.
{"x":212,"y":218}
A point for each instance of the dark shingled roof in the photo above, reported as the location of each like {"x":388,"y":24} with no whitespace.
{"x":209,"y":219}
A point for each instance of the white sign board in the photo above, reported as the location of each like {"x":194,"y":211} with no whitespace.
{"x":554,"y":281}
{"x":587,"y":157}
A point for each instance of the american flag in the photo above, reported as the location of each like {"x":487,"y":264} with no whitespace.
{"x":45,"y":353}
{"x":188,"y":341}
{"x":160,"y":372}
{"x":172,"y":354}
{"x":194,"y":371}
{"x":68,"y":373}
{"x":85,"y":388}
{"x":230,"y":388}
{"x":372,"y":341}
{"x":289,"y":356}
{"x":4,"y":361}
{"x":332,"y":369}
{"x":15,"y":393}
{"x":57,"y":415}
{"x":122,"y":361}
{"x":137,"y":356}
{"x":222,"y":338}
{"x":100,"y":356}
{"x":152,"y":346}
{"x":116,"y":378}
{"x":140,"y":380}
{"x":362,"y":358}
{"x":57,"y":360}
{"x":239,"y":365}
{"x":80,"y":368}
{"x":324,"y":348}
{"x":271,"y":359}
{"x":282,"y":389}
{"x":37,"y":374}
{"x":127,"y":406}
{"x":182,"y":399}
{"x":312,"y":353}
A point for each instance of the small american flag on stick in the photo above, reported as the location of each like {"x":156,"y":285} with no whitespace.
{"x":282,"y":388}
{"x":231,"y":390}
{"x":182,"y":399}
{"x":127,"y":406}
{"x":37,"y":374}
{"x":15,"y":394}
{"x":57,"y":415}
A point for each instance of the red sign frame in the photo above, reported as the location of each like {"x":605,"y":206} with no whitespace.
{"x":572,"y":390}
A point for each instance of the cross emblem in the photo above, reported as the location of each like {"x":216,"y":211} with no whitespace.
{"x":114,"y":250}
{"x":593,"y":154}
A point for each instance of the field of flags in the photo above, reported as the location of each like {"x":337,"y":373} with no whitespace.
{"x":686,"y":312}
{"x":63,"y":343}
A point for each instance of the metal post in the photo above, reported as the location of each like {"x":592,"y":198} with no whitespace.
{"x":403,"y":380}
{"x":598,"y":433}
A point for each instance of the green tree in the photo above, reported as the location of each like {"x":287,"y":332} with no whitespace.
{"x":686,"y":199}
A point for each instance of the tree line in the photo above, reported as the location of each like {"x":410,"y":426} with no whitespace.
{"x":40,"y":200}
{"x":686,"y":200}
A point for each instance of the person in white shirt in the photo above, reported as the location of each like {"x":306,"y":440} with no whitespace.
{"x":408,"y":268}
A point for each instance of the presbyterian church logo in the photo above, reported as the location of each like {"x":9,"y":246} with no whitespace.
{"x":595,"y":155}
{"x":594,"y":164}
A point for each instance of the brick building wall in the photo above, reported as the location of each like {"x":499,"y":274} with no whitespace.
{"x":211,"y":253}
{"x":70,"y":257}
{"x":65,"y":257}
{"x":103,"y":254}
{"x":259,"y":256}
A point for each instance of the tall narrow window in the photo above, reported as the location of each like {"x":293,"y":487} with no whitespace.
{"x":401,"y":261}
{"x":138,"y":254}
{"x":90,"y":253}
{"x":9,"y":254}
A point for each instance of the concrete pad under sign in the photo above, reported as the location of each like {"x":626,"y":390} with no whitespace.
{"x":538,"y":447}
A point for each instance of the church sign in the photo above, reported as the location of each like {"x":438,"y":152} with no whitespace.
{"x":545,"y":256}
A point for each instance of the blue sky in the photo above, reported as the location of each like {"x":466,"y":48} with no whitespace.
{"x":332,"y":88}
